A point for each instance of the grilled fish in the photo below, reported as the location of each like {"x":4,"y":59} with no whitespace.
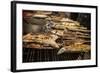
{"x":75,"y":48}
{"x":42,"y":39}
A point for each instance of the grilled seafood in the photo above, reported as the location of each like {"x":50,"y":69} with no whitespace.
{"x":75,"y":48}
{"x":41,"y":39}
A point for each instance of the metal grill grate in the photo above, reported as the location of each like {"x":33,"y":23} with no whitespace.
{"x":44,"y":55}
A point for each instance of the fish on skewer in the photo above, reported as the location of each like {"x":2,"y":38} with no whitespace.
{"x":48,"y":39}
{"x":75,"y":48}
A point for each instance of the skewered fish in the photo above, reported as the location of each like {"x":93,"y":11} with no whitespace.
{"x":37,"y":46}
{"x":42,"y":39}
{"x":74,"y":48}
